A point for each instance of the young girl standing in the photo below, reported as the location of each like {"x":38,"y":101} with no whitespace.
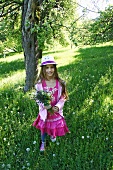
{"x":53,"y":123}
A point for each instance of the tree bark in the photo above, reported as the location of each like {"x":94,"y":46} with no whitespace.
{"x":29,"y":43}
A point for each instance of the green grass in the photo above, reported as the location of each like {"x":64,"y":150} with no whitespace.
{"x":88,"y":73}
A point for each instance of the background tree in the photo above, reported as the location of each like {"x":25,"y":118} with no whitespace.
{"x":42,"y":22}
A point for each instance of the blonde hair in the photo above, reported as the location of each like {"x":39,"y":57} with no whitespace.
{"x":42,"y":76}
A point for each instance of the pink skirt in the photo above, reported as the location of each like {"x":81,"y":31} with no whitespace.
{"x":54,"y":125}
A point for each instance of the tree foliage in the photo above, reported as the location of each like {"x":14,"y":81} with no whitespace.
{"x":10,"y":26}
{"x":55,"y":18}
{"x":102,"y":28}
{"x":52,"y":21}
{"x":94,"y":31}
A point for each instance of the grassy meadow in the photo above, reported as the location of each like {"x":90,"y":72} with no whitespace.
{"x":88,"y":72}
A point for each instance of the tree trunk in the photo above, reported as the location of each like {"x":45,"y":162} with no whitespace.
{"x":29,"y":43}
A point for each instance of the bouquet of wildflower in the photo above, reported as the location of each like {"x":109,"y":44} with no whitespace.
{"x":43,"y":97}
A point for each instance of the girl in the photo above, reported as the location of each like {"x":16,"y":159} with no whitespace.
{"x":53,"y":123}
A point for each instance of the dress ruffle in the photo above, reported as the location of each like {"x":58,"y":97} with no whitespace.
{"x":55,"y":125}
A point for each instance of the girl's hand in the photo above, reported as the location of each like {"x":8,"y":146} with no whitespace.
{"x":55,"y":108}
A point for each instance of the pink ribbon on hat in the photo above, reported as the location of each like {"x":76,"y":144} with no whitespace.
{"x":46,"y":62}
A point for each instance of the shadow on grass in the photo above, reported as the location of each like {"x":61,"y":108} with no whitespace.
{"x":96,"y":52}
{"x":7,"y":68}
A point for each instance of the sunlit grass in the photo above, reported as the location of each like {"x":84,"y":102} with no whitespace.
{"x":16,"y":78}
{"x":88,"y":73}
{"x":67,"y":57}
{"x":12,"y":58}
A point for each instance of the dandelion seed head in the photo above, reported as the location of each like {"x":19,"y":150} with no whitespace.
{"x":28,"y":164}
{"x":82,"y":137}
{"x":58,"y":143}
{"x":91,"y":161}
{"x":23,"y":167}
{"x":54,"y":155}
{"x":27,"y":149}
{"x":3,"y":165}
{"x":34,"y":142}
{"x":8,"y":165}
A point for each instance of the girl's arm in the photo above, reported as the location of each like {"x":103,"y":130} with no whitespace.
{"x":60,"y":103}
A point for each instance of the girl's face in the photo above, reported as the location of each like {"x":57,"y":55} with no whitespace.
{"x":49,"y":70}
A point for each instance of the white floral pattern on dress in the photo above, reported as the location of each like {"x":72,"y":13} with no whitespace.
{"x":52,"y":120}
{"x":51,"y":91}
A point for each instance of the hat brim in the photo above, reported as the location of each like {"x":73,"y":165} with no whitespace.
{"x":47,"y":63}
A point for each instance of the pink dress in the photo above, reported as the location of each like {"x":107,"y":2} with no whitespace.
{"x":55,"y":124}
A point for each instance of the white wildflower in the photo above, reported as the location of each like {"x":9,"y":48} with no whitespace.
{"x":4,"y":139}
{"x":91,"y":100}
